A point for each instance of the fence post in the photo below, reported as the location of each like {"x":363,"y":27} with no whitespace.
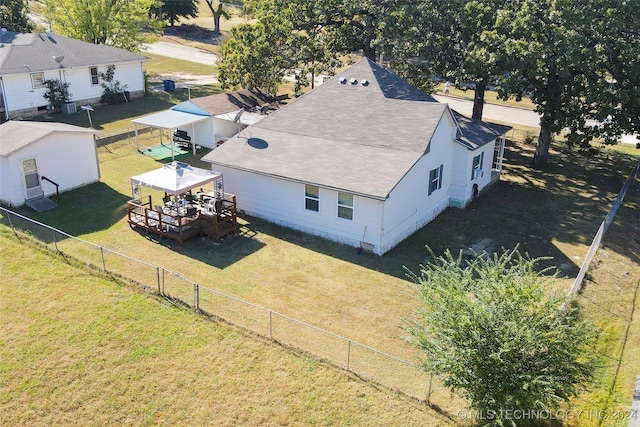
{"x":270,"y":324}
{"x":429,"y":389}
{"x":348,"y":355}
{"x":55,"y":241}
{"x":104,"y":265}
{"x":162,"y":291}
{"x":158,"y":278}
{"x":12,"y":227}
{"x":196,"y":296}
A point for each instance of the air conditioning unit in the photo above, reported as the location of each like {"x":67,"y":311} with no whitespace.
{"x":69,"y":108}
{"x":478,"y":173}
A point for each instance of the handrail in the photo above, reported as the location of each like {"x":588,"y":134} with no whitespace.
{"x":57,"y":187}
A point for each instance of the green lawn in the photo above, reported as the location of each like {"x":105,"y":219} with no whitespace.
{"x":362,"y":297}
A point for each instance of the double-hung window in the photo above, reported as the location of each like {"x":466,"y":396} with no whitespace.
{"x":37,"y":80}
{"x":95,"y":78}
{"x":345,"y":205}
{"x":435,"y":179}
{"x":477,"y":164}
{"x":311,"y":197}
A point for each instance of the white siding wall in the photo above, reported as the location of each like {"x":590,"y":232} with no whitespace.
{"x":69,"y":159}
{"x":203,"y":133}
{"x":283,"y":202}
{"x":80,"y":86}
{"x":409,"y":206}
{"x":462,"y":184}
{"x":20,"y":95}
{"x":224,"y":129}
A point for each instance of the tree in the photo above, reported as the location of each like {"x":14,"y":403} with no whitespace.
{"x":218,"y":13}
{"x":273,"y":36}
{"x":562,"y":54}
{"x":57,"y":93}
{"x":118,"y":23}
{"x":303,"y":37}
{"x":13,"y":16}
{"x":498,"y":335}
{"x":447,"y":36}
{"x":173,"y":10}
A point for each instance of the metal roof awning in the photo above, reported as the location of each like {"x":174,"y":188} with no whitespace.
{"x":169,"y":119}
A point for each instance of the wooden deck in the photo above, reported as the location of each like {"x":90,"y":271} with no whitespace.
{"x":202,"y":216}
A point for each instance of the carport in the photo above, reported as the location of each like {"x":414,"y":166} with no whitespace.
{"x":171,"y":120}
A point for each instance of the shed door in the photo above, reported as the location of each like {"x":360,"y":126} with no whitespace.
{"x":31,"y":179}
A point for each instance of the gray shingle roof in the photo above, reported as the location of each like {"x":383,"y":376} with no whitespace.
{"x":227,"y":102}
{"x":32,"y":52}
{"x":476,"y":133}
{"x":361,"y":132}
{"x":16,"y":134}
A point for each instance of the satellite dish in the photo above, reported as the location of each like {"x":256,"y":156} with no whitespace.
{"x":236,"y":119}
{"x":58,"y":59}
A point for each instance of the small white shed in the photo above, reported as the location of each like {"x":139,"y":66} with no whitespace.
{"x":35,"y":155}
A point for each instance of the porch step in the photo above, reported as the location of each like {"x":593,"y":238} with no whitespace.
{"x":41,"y":204}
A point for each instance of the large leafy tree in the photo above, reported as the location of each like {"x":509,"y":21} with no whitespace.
{"x":118,"y":23}
{"x":578,"y":62}
{"x":498,"y":336}
{"x":447,"y":37}
{"x":309,"y":35}
{"x":173,"y":10}
{"x":275,"y":35}
{"x":13,"y":16}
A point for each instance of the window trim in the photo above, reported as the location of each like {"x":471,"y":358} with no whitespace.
{"x":474,"y":165}
{"x":310,"y":199}
{"x":40,"y":85}
{"x":95,"y":78}
{"x":435,"y":179}
{"x":342,"y":207}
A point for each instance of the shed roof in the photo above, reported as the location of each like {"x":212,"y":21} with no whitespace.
{"x":222,"y":103}
{"x":17,"y":134}
{"x":32,"y":52}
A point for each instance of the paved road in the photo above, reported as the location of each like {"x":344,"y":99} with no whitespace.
{"x":492,"y":111}
{"x":186,"y":53}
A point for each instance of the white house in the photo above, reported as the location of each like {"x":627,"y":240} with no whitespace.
{"x":365,"y":159}
{"x":34,"y":155}
{"x":27,"y":60}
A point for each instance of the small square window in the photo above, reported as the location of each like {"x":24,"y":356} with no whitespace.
{"x":345,"y":205}
{"x":37,"y":80}
{"x":312,"y":197}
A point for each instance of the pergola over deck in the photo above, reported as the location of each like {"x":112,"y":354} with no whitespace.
{"x":211,"y":213}
{"x":171,"y":120}
{"x":177,"y":178}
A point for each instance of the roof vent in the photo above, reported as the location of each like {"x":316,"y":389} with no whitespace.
{"x":353,"y":81}
{"x":364,"y":82}
{"x":343,"y":80}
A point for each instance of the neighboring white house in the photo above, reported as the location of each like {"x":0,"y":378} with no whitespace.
{"x":365,"y":159}
{"x":28,"y":59}
{"x":210,"y":120}
{"x":34,"y":153}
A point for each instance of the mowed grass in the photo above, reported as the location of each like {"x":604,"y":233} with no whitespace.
{"x":611,"y":299}
{"x":80,"y":349}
